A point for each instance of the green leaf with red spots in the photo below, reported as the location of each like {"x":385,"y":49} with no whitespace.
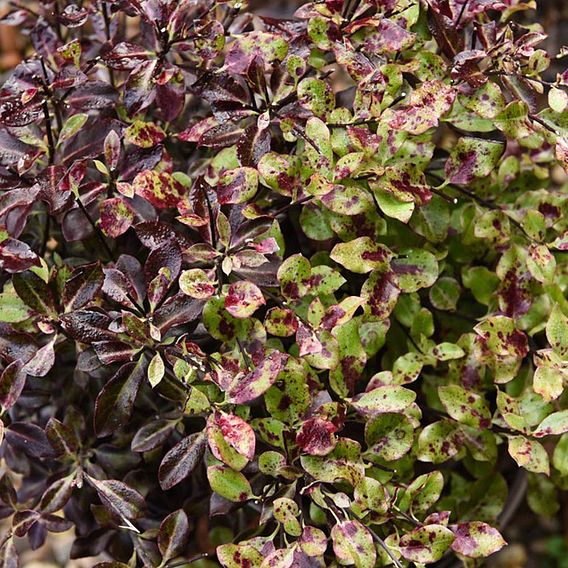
{"x":553,"y":425}
{"x":465,"y":406}
{"x":116,"y":217}
{"x":162,"y":190}
{"x":426,"y":544}
{"x":361,"y":255}
{"x":237,"y":186}
{"x":381,"y":292}
{"x":557,"y":331}
{"x":439,"y":442}
{"x":243,"y":299}
{"x":427,"y":104}
{"x":196,"y":284}
{"x":228,"y":483}
{"x":529,"y":454}
{"x":144,"y":134}
{"x":391,"y":398}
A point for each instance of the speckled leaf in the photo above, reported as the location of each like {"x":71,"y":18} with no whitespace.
{"x":472,"y":158}
{"x":316,"y":436}
{"x":438,"y":442}
{"x":553,"y":425}
{"x":476,"y":539}
{"x":384,"y":399}
{"x":353,"y":544}
{"x":237,"y":433}
{"x":196,"y":284}
{"x":286,"y":512}
{"x":162,"y":190}
{"x":415,"y":269}
{"x":426,"y":106}
{"x":465,"y":406}
{"x":389,"y":436}
{"x":557,"y":331}
{"x":116,"y":217}
{"x":426,"y":544}
{"x":243,"y":299}
{"x":257,"y":382}
{"x":144,"y":134}
{"x":237,"y":186}
{"x":361,"y":255}
{"x":529,"y":454}
{"x":316,"y":95}
{"x":381,"y":291}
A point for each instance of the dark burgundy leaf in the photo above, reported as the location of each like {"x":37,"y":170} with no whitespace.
{"x":87,"y":326}
{"x":181,"y":460}
{"x":119,"y":498}
{"x":115,"y":402}
{"x":152,"y":435}
{"x":173,"y":534}
{"x":29,"y":438}
{"x":12,"y":381}
{"x":82,"y":287}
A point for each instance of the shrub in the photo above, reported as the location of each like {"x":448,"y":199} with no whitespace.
{"x":281,"y":292}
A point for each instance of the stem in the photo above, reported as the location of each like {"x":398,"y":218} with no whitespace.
{"x":98,"y":233}
{"x":49,"y":130}
{"x":45,"y":233}
{"x":106,"y":18}
{"x":384,"y":546}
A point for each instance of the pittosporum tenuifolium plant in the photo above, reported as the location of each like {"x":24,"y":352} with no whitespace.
{"x":282,"y":292}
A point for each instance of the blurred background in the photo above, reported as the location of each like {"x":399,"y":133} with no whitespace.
{"x":532,"y":545}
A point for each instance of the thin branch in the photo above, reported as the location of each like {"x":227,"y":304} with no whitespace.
{"x":96,"y":229}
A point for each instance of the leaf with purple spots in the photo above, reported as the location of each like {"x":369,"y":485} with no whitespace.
{"x":162,"y":190}
{"x":426,"y":544}
{"x":353,"y":544}
{"x":254,"y":383}
{"x":476,"y":539}
{"x":243,"y":299}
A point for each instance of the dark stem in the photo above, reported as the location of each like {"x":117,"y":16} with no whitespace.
{"x":106,"y":18}
{"x":98,"y":233}
{"x":49,"y":130}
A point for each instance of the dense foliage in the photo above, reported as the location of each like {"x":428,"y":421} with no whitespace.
{"x":282,"y":292}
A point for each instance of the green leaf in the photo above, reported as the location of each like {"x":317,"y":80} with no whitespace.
{"x":156,"y":370}
{"x":426,"y":544}
{"x":465,"y":406}
{"x":445,"y":293}
{"x":12,"y":307}
{"x":230,"y":484}
{"x":553,"y":425}
{"x":361,"y":255}
{"x":529,"y":454}
{"x":384,"y":399}
{"x":72,"y":125}
{"x":557,"y":331}
{"x":353,"y":544}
